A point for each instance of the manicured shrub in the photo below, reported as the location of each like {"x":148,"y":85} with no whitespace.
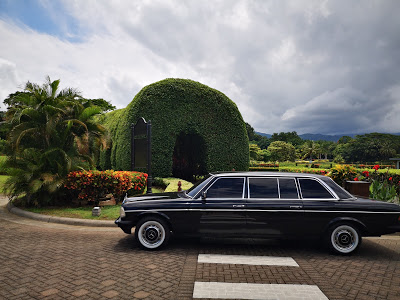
{"x":93,"y":185}
{"x":267,"y":169}
{"x":304,"y":170}
{"x":179,"y":107}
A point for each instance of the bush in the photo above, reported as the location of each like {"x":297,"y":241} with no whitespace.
{"x":3,"y":169}
{"x":93,"y":185}
{"x":179,"y":107}
{"x":304,"y":170}
{"x":341,"y":173}
{"x":267,"y":169}
{"x":383,"y":191}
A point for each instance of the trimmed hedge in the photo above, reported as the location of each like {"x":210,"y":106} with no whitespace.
{"x":110,"y":121}
{"x":304,"y":170}
{"x":177,"y":106}
{"x":262,"y":169}
{"x":93,"y":185}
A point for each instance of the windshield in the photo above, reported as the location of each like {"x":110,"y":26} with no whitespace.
{"x":193,"y":191}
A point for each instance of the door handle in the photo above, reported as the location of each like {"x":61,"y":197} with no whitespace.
{"x":238,"y":206}
{"x":296,"y":206}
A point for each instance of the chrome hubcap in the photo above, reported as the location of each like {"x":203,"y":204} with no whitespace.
{"x":151,"y":234}
{"x":345,"y":239}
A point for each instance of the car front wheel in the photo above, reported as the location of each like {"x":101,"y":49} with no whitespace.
{"x":343,"y":238}
{"x":152,"y":233}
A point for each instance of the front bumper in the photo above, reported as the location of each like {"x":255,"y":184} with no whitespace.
{"x":126,"y":226}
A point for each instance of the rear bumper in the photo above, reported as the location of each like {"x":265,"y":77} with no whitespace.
{"x":126,"y":226}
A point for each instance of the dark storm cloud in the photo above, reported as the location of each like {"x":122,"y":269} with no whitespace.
{"x":310,"y":66}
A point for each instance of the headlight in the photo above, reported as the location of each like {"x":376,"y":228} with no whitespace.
{"x":122,"y":212}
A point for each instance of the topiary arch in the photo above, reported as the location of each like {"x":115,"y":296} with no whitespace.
{"x":192,"y":124}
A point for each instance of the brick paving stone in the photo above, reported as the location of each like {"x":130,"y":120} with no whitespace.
{"x":79,"y":293}
{"x":108,"y":282}
{"x":110,"y":294}
{"x":50,"y":292}
{"x":41,"y":260}
{"x":141,"y":295}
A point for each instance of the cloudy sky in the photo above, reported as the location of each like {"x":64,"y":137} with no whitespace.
{"x":327,"y":67}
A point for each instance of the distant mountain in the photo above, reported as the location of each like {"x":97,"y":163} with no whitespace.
{"x":323,"y":137}
{"x":264,"y":134}
{"x":320,"y":137}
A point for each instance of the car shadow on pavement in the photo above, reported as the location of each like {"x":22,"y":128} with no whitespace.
{"x":370,"y":248}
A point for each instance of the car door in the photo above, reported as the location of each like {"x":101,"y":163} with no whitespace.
{"x":320,"y":204}
{"x":222,"y":210}
{"x":274,"y":207}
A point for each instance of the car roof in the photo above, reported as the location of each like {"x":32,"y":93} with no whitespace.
{"x":270,"y":174}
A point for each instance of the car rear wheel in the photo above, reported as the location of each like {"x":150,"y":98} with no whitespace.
{"x":152,"y":233}
{"x":343,"y":238}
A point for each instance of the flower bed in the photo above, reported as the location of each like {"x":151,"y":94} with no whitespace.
{"x":93,"y":185}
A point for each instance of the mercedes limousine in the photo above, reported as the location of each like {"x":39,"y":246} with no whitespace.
{"x":260,"y":205}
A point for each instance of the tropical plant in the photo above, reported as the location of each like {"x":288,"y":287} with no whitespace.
{"x":51,"y":134}
{"x":310,"y":149}
{"x":341,"y":173}
{"x":383,"y":191}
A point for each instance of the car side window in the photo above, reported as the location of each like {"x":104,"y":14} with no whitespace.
{"x":263,"y":188}
{"x":288,"y":189}
{"x":312,"y":189}
{"x":226,"y":188}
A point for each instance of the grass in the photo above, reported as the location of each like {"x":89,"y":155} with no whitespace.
{"x":173,"y":184}
{"x":3,"y":179}
{"x":107,"y":212}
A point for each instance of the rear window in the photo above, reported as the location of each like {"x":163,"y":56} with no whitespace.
{"x":312,"y":189}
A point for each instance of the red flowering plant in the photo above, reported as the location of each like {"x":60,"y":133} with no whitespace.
{"x":93,"y":185}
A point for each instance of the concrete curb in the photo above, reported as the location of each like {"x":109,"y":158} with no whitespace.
{"x":50,"y":219}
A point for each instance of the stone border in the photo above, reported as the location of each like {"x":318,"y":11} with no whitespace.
{"x":59,"y":220}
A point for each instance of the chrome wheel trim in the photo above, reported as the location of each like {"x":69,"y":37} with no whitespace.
{"x":345,"y":239}
{"x":151,"y":234}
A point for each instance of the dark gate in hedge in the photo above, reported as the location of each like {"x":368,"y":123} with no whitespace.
{"x":195,"y":130}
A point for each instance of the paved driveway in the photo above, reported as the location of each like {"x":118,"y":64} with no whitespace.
{"x":52,"y":261}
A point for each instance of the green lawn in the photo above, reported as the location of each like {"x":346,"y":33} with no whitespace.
{"x":107,"y":212}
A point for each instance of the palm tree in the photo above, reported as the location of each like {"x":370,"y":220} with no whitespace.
{"x":52,"y":133}
{"x":309,"y":149}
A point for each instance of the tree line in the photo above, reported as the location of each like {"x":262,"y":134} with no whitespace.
{"x":288,"y":146}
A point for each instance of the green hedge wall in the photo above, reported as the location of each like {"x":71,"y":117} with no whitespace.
{"x":110,"y":121}
{"x":175,"y":106}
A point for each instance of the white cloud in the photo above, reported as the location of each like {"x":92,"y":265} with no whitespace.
{"x":317,"y":66}
{"x":8,"y":79}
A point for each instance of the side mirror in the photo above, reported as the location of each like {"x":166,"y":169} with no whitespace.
{"x":203,"y":196}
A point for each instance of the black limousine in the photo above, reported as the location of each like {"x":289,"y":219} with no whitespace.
{"x":260,"y":205}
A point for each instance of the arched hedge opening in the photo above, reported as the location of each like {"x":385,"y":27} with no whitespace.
{"x":181,"y":110}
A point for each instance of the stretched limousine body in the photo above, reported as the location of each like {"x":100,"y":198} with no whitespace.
{"x":260,"y":204}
